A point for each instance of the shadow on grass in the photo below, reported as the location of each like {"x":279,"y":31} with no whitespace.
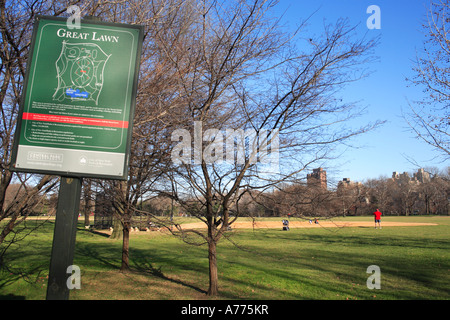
{"x":147,"y":268}
{"x":11,"y":297}
{"x":98,"y":233}
{"x":9,"y":276}
{"x":108,"y":256}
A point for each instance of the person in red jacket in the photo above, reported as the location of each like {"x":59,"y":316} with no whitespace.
{"x":377,"y":215}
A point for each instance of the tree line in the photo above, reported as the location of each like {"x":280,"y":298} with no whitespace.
{"x":392,"y":196}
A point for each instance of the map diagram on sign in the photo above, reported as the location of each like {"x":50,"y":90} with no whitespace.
{"x":79,"y":70}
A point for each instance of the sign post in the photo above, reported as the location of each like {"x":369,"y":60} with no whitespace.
{"x":75,"y":118}
{"x":64,"y":238}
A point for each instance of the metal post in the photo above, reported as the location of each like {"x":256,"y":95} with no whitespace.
{"x":64,"y":238}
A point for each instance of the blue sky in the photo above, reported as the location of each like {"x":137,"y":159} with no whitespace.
{"x":385,"y":92}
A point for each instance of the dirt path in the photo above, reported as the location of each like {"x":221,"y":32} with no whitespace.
{"x":306,"y":224}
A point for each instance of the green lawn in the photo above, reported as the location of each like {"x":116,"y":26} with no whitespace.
{"x":318,"y":263}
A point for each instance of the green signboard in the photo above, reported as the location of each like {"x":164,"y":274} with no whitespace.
{"x":78,"y":103}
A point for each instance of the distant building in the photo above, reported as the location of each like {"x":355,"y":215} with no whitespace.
{"x":318,"y":178}
{"x":346,"y":183}
{"x":421,"y":176}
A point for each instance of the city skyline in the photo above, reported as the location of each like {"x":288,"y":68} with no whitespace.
{"x":318,"y":177}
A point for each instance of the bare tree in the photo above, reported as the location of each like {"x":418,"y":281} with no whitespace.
{"x":381,"y":192}
{"x":405,"y":195}
{"x":154,"y":99}
{"x":157,"y":105}
{"x":87,"y":201}
{"x":239,"y":71}
{"x":300,"y":201}
{"x":430,"y":118}
{"x":16,"y":22}
{"x":351,"y":197}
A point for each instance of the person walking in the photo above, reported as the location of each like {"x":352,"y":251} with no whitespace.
{"x":377,"y":215}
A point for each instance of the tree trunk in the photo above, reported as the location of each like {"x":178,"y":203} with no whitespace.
{"x":5,"y":180}
{"x":9,"y":226}
{"x":87,"y":222}
{"x":87,"y":205}
{"x":213,"y":276}
{"x":125,"y":248}
{"x":117,"y":229}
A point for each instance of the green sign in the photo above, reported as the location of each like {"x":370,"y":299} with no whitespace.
{"x":79,"y":97}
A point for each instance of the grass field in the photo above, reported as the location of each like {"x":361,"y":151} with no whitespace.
{"x":304,"y":263}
